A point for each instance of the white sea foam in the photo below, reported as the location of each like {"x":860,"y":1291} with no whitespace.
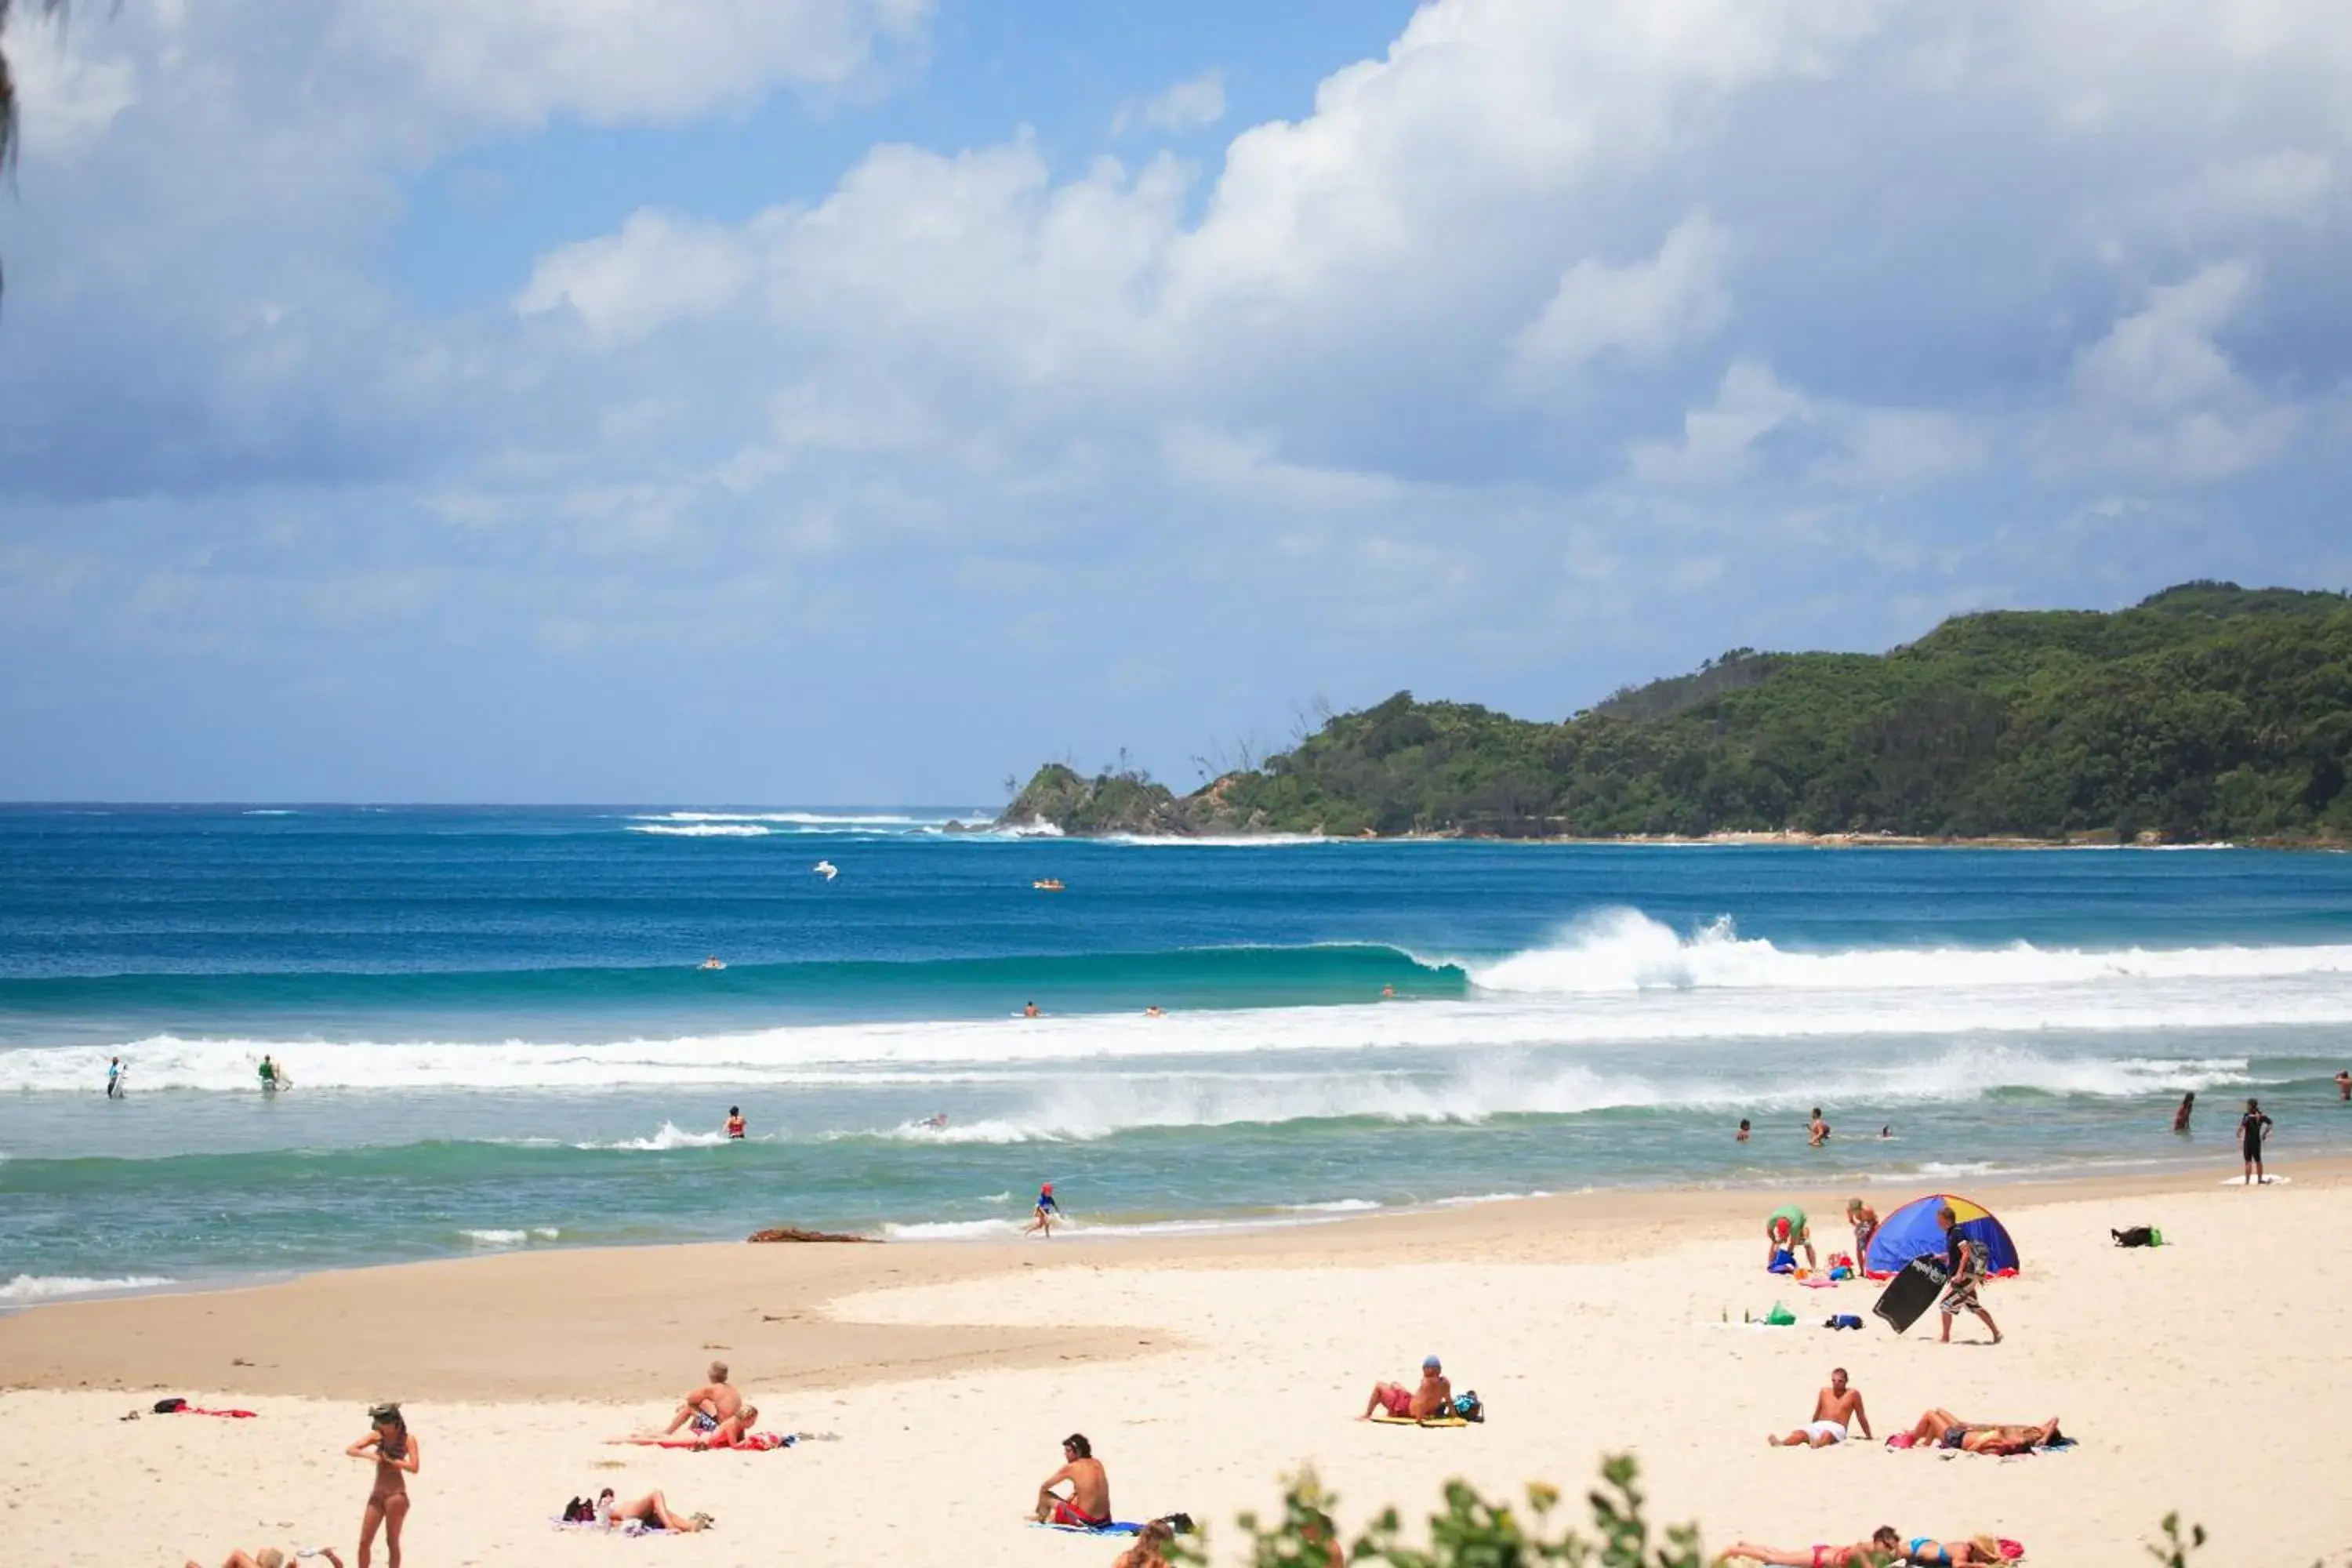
{"x":25,"y":1287}
{"x":1619,"y":951}
{"x":702,"y":829}
{"x":1336,"y":1206}
{"x":950,"y":1230}
{"x":491,"y":1237}
{"x":671,"y":1136}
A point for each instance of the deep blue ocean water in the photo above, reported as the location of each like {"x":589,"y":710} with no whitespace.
{"x":499,"y":1034}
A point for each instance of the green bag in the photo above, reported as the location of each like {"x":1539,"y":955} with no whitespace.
{"x":1780,"y":1317}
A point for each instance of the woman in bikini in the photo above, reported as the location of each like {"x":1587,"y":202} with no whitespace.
{"x":1936,"y":1553}
{"x":395,"y":1453}
{"x":1883,"y":1540}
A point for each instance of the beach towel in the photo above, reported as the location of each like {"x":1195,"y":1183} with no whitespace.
{"x":1116,"y":1527}
{"x":749,"y":1443}
{"x":1385,"y":1419}
{"x":182,"y":1407}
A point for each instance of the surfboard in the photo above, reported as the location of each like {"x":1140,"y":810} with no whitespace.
{"x":1911,"y":1293}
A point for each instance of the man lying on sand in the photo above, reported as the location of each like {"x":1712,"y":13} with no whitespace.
{"x":706,"y":1406}
{"x":1942,"y":1429}
{"x":729,"y":1434}
{"x":1883,"y":1540}
{"x":1088,"y":1505}
{"x":267,"y":1557}
{"x":1433,"y":1397}
{"x":1835,"y":1409}
{"x":652,"y":1510}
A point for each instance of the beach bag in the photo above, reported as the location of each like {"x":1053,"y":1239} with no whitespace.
{"x":2138,"y":1236}
{"x":170,"y":1406}
{"x":1467,"y":1406}
{"x":1780,"y":1317}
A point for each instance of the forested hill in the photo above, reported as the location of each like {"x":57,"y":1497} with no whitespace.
{"x":2206,"y":712}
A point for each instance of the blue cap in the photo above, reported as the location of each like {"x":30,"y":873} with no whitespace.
{"x":1427,"y":1361}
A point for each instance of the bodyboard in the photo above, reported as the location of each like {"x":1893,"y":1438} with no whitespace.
{"x":1910,"y":1293}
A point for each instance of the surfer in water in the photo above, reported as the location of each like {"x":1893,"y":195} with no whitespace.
{"x":935,"y":1120}
{"x":115,"y":1072}
{"x":713,"y":961}
{"x":273,"y":1076}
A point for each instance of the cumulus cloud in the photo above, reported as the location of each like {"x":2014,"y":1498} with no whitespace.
{"x":1539,"y":296}
{"x":1186,"y":105}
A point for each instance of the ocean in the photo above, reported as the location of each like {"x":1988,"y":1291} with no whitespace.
{"x":499,"y":1034}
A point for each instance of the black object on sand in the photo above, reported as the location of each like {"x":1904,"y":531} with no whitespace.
{"x":1911,"y":1293}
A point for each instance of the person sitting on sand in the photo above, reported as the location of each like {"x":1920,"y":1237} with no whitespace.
{"x":1942,"y":1429}
{"x":651,"y":1511}
{"x":1864,"y":1220}
{"x":267,"y":1557}
{"x":1088,"y":1505}
{"x":1835,"y":1409}
{"x":1433,"y":1397}
{"x":1934,"y":1553}
{"x":1785,"y":1231}
{"x":709,"y":1405}
{"x":1882,"y":1542}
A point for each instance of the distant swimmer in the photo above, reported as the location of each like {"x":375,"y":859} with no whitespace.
{"x":713,"y":961}
{"x":1029,"y":1010}
{"x":115,"y":1072}
{"x":1388,"y":993}
{"x":1742,"y":1136}
{"x":1887,"y":1131}
{"x":1047,"y":884}
{"x":2187,"y":1109}
{"x":1155,"y":1011}
{"x":936,"y":1120}
{"x":1049,"y":1211}
{"x":734,"y":1121}
{"x":1817,"y":1132}
{"x":827,"y":869}
{"x":2344,"y":1087}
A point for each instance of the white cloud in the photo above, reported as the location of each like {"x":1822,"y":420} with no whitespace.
{"x":2159,"y":398}
{"x":517,"y":62}
{"x":1758,"y":428}
{"x":656,"y":270}
{"x":1645,"y":311}
{"x":66,"y":100}
{"x":1187,"y":105}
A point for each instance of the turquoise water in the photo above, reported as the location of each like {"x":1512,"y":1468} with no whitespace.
{"x":500,"y":1036}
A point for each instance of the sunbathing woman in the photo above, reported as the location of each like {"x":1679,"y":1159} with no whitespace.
{"x":396,"y":1456}
{"x":267,"y":1557}
{"x":652,"y":1510}
{"x":1977,"y":1549}
{"x":1942,"y":1429}
{"x":1883,"y":1542}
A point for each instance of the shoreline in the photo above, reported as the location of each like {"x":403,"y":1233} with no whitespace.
{"x":69,"y":1341}
{"x":2100,"y":1177}
{"x":1758,"y":839}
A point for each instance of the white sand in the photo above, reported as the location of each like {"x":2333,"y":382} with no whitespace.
{"x":2210,"y":1376}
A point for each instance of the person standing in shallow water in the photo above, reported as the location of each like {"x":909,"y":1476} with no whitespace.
{"x":2180,"y":1117}
{"x":1742,"y":1136}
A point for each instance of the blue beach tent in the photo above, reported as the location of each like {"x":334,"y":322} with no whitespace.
{"x":1912,"y":1231}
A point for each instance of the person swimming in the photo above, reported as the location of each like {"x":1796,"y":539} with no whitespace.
{"x":713,"y":961}
{"x":734,"y":1121}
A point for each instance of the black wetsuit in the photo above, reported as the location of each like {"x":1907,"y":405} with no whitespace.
{"x":2253,"y":1127}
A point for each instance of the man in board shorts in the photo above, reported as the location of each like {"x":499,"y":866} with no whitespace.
{"x":1785,"y":1231}
{"x":1965,"y":1260}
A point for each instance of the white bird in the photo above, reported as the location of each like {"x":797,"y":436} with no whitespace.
{"x":827,"y":869}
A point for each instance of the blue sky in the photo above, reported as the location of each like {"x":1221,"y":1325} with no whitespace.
{"x":842,"y":400}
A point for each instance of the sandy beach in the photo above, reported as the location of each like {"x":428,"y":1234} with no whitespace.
{"x":935,"y":1382}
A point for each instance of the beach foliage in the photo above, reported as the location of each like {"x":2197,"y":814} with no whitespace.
{"x":2206,"y":712}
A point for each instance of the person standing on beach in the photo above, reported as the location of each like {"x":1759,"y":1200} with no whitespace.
{"x":1049,"y":1211}
{"x":396,"y":1456}
{"x":2180,"y":1117}
{"x":1965,"y":1260}
{"x":2252,"y":1128}
{"x":1864,"y":1220}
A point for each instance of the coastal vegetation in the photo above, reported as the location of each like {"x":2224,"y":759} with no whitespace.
{"x":2207,"y":713}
